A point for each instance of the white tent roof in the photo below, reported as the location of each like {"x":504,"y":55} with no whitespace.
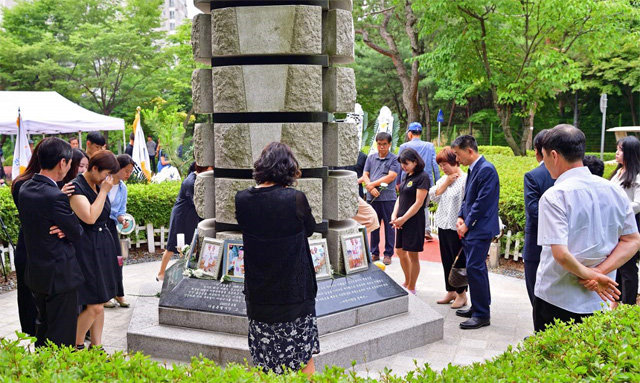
{"x":50,"y":113}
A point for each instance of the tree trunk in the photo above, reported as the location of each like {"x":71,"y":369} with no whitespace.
{"x":527,"y":130}
{"x":469,"y":119}
{"x":504,"y":113}
{"x":634,"y":118}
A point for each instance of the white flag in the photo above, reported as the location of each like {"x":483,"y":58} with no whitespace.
{"x":21,"y":152}
{"x":140,"y":153}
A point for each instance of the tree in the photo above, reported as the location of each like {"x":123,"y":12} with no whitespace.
{"x":518,"y":50}
{"x":100,"y":54}
{"x":386,"y":27}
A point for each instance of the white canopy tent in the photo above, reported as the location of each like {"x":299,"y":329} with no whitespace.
{"x":50,"y":113}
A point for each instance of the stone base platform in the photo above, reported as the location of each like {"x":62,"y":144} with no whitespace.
{"x":366,"y":342}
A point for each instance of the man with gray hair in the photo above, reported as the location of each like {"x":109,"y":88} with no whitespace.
{"x":587,"y":230}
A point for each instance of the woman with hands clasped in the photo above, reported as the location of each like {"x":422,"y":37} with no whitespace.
{"x":407,"y":217}
{"x":448,"y":193}
{"x":95,"y":252}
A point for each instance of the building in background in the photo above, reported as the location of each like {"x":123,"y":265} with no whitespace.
{"x":174,"y":13}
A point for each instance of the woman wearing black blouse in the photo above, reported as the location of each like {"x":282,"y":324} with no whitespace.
{"x":409,"y":225}
{"x":280,"y":283}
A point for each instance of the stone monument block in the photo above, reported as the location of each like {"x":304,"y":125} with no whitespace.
{"x":302,"y":138}
{"x":338,"y":36}
{"x":334,"y":244}
{"x":203,"y":5}
{"x":340,"y":144}
{"x":204,"y":196}
{"x":267,"y":88}
{"x":233,"y":143}
{"x":347,"y":5}
{"x":201,"y":91}
{"x":206,"y":229}
{"x":225,"y":201}
{"x":229,"y":235}
{"x":340,"y":197}
{"x":273,"y":30}
{"x":203,"y":144}
{"x":339,"y":89}
{"x":201,"y":38}
{"x":312,"y":188}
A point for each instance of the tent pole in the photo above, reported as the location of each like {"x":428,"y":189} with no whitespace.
{"x":80,"y":139}
{"x":124,"y":144}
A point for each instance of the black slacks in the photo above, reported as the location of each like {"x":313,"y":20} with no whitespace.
{"x":545,"y":314}
{"x":450,"y":245}
{"x":627,"y":278}
{"x":57,"y":318}
{"x":27,"y":310}
{"x":383,"y":209}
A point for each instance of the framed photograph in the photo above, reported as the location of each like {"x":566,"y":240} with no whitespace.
{"x":320,"y":258}
{"x":363,"y":230}
{"x":211,"y":256}
{"x":233,"y":264}
{"x":354,"y":253}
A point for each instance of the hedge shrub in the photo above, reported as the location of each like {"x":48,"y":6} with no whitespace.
{"x":150,"y":203}
{"x":605,"y":347}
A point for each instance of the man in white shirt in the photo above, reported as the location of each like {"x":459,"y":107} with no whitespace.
{"x":587,"y":230}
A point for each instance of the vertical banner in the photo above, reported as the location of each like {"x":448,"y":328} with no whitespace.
{"x":384,"y":123}
{"x":21,"y":152}
{"x":140,"y":153}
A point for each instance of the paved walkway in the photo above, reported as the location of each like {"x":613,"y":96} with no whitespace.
{"x":510,"y":322}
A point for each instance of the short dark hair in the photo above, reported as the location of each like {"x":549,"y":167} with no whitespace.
{"x":384,"y":136}
{"x":276,"y":164}
{"x":125,"y":160}
{"x":51,"y":151}
{"x":567,"y":140}
{"x":464,"y":142}
{"x":595,"y":165}
{"x":96,"y":138}
{"x":76,"y":158}
{"x":104,"y":160}
{"x":132,"y":136}
{"x":447,"y":155}
{"x":537,"y":140}
{"x":73,"y":139}
{"x":410,"y":155}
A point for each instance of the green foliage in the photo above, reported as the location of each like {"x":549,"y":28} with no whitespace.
{"x":605,"y":347}
{"x":9,"y":214}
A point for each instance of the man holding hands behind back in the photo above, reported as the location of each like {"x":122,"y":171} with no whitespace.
{"x":477,"y":224}
{"x":52,"y":271}
{"x":587,"y":230}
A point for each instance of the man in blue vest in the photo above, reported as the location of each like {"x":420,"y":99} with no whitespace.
{"x":427,"y":151}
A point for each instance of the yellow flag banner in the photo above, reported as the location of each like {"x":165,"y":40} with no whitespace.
{"x":140,"y":153}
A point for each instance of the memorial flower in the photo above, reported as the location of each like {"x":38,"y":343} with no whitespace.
{"x":383,"y":186}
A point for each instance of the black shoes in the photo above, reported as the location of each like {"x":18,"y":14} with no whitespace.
{"x":475,"y":323}
{"x":465,"y":313}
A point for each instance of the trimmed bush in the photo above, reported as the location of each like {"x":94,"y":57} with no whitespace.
{"x":605,"y":347}
{"x":151,"y":203}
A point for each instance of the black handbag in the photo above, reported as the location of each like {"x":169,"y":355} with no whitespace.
{"x":458,"y":275}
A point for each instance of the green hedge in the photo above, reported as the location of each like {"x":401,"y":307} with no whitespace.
{"x":605,"y":347}
{"x":150,"y":203}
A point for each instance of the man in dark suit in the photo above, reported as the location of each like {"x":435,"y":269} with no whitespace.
{"x":536,"y":182}
{"x":52,"y":270}
{"x":477,"y":224}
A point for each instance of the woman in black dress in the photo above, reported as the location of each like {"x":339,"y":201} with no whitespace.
{"x":184,"y":218}
{"x":410,"y":225}
{"x":95,"y":252}
{"x":280,"y":282}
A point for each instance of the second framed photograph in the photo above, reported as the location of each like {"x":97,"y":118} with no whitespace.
{"x":211,"y":256}
{"x":320,"y":258}
{"x":233,"y":265}
{"x":354,"y":253}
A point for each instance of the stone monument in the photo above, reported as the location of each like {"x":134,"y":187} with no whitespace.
{"x":274,"y":76}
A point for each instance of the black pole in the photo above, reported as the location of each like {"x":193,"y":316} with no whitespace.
{"x":6,"y":233}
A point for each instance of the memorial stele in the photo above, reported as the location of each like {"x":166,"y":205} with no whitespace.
{"x":275,"y":73}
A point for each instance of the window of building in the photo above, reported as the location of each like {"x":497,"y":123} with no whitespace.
{"x":172,"y":3}
{"x":172,"y":26}
{"x":172,"y":15}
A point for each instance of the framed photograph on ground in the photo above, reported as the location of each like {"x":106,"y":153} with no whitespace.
{"x":233,"y":265}
{"x":320,"y":257}
{"x":211,"y":256}
{"x":354,"y":253}
{"x":363,"y":230}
